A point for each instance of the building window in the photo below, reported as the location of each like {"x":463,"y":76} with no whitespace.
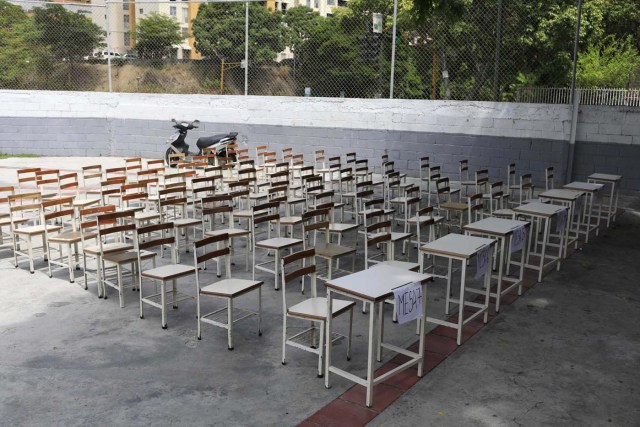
{"x":331,"y":2}
{"x":284,"y":8}
{"x":173,"y":11}
{"x":308,"y":3}
{"x":141,"y":11}
{"x":127,"y":39}
{"x":125,"y":6}
{"x":315,"y":4}
{"x":185,"y":33}
{"x":125,"y":19}
{"x":185,"y":15}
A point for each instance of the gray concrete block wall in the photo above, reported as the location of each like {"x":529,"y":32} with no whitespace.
{"x":592,"y":157}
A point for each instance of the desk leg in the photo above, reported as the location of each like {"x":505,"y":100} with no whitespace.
{"x":487,"y":286}
{"x":463,"y":279}
{"x":380,"y":331}
{"x":615,"y":208}
{"x":372,"y":346}
{"x":500,"y":272}
{"x":448,"y":296}
{"x":329,"y":344}
{"x":545,"y":237}
{"x":422,"y":331}
{"x":610,"y":211}
{"x":276,"y":257}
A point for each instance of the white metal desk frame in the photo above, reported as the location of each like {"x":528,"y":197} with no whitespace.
{"x":545,"y":212}
{"x":568,"y":198}
{"x":374,"y":286}
{"x":501,"y":230}
{"x":461,"y":248}
{"x":613,"y":180}
{"x":591,"y":190}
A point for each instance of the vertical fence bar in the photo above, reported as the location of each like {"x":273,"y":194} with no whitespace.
{"x":496,"y":65}
{"x":393,"y":48}
{"x":246,"y":48}
{"x":108,"y":25}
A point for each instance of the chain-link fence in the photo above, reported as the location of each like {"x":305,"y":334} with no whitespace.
{"x":460,"y":49}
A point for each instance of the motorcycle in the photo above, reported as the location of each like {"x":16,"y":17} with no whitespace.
{"x":177,"y":143}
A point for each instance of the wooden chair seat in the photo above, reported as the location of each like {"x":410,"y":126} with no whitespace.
{"x":168,"y":272}
{"x":71,"y":237}
{"x":316,"y":308}
{"x":411,"y":266}
{"x":232,"y":232}
{"x":278,"y":243}
{"x":340,"y":227}
{"x":146,"y":216}
{"x":231,"y":288}
{"x":454,"y":206}
{"x":424,"y":218}
{"x":186,"y":222}
{"x":34,"y":230}
{"x":108,"y":248}
{"x":7,"y":221}
{"x":290,"y":220}
{"x":128,"y":257}
{"x":332,"y":251}
{"x":83,"y":203}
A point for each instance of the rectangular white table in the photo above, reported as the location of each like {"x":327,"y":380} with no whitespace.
{"x":460,"y":248}
{"x":503,"y":230}
{"x":570,"y":199}
{"x":591,"y":190}
{"x":613,"y":180}
{"x":374,"y":286}
{"x":544,"y":212}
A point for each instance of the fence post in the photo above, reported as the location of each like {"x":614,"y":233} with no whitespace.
{"x":575,"y":50}
{"x":393,"y":48}
{"x":108,"y":25}
{"x":246,"y":48}
{"x":496,"y":67}
{"x":572,"y":137}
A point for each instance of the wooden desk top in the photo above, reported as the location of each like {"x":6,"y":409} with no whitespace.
{"x":495,"y":226}
{"x":376,"y":283}
{"x":457,"y":246}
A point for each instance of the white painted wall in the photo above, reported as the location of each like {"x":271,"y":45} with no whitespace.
{"x":541,"y":121}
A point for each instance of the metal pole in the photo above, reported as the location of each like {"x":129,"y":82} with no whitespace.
{"x":575,"y":51}
{"x":496,"y":65}
{"x":393,"y":48}
{"x":108,"y":23}
{"x":246,"y":49}
{"x":575,"y":100}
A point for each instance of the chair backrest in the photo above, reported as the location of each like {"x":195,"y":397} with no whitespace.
{"x":511,"y":175}
{"x":147,"y":238}
{"x":89,"y":221}
{"x":134,"y":194}
{"x":5,"y":192}
{"x":475,"y":206}
{"x":114,"y":226}
{"x":434,"y":173}
{"x":115,"y":172}
{"x":260,"y":150}
{"x":526,"y":186}
{"x":211,"y":206}
{"x":549,"y":178}
{"x":68,"y":182}
{"x":377,"y":232}
{"x":133,"y":164}
{"x":496,"y":197}
{"x":307,"y":260}
{"x":111,"y":187}
{"x":424,"y":167}
{"x":60,"y":210}
{"x":91,"y":173}
{"x":443,"y":189}
{"x":25,"y":206}
{"x":155,"y":164}
{"x":175,"y":198}
{"x":464,"y":170}
{"x":264,"y":214}
{"x":315,"y":221}
{"x":201,"y":254}
{"x":26,"y":176}
{"x":482,"y":180}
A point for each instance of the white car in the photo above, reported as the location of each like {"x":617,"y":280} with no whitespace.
{"x":102,"y":55}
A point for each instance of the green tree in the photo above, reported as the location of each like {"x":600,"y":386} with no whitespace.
{"x":18,"y":52}
{"x":608,"y":63}
{"x":67,"y":35}
{"x":219,"y":31}
{"x":155,"y":35}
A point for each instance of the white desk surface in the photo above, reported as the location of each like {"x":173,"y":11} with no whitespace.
{"x":539,"y":209}
{"x":583,"y":186}
{"x":457,"y":245}
{"x":605,"y":177}
{"x":376,"y":283}
{"x":495,"y":226}
{"x":560,"y":194}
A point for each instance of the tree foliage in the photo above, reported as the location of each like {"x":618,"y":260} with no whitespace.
{"x":608,"y":63}
{"x":155,"y":35}
{"x":219,"y":30}
{"x":18,"y":51}
{"x":66,"y":34}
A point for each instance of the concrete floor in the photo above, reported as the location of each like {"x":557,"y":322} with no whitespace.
{"x":566,"y":352}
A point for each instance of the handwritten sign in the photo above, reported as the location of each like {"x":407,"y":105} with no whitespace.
{"x":517,"y":238}
{"x":408,"y":302}
{"x":482,"y":261}
{"x":561,"y":223}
